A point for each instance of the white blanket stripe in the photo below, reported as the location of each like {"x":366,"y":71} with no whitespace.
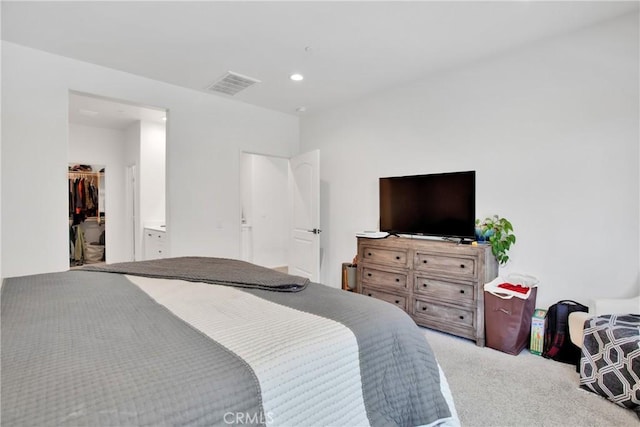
{"x":308,"y":366}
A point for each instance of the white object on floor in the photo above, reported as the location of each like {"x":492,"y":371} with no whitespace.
{"x":600,"y":307}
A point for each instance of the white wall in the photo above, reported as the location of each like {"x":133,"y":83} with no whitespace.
{"x":152,"y":172}
{"x":92,"y":145}
{"x":151,"y":177}
{"x":1,"y":102}
{"x":204,"y":138}
{"x":552,"y":131}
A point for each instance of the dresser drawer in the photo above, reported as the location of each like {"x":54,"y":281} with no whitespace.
{"x":391,"y":257}
{"x":453,"y":266}
{"x":396,"y":300}
{"x":459,"y":293}
{"x":443,"y":313}
{"x":386,"y":278}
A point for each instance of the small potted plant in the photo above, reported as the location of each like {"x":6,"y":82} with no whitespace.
{"x":499,"y":233}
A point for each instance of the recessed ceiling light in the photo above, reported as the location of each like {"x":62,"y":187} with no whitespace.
{"x":164,"y":119}
{"x":296,"y":77}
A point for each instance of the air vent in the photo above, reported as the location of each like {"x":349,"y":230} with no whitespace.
{"x":232,"y":83}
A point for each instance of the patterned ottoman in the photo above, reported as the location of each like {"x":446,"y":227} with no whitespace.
{"x":610,"y":361}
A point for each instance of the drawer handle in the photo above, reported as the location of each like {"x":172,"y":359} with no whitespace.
{"x":369,"y":254}
{"x":462,"y":291}
{"x":369,"y":274}
{"x":424,"y":285}
{"x":461,"y":265}
{"x":424,"y":261}
{"x":461,"y":317}
{"x":424,"y":308}
{"x":397,"y":257}
{"x":397,"y":301}
{"x":370,"y":295}
{"x":397,"y":280}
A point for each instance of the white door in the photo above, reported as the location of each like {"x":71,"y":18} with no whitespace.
{"x":304,"y":194}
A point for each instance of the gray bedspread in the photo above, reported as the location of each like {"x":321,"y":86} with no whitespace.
{"x":91,"y":348}
{"x":231,"y":272}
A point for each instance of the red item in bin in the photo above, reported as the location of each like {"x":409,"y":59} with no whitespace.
{"x":516,"y":288}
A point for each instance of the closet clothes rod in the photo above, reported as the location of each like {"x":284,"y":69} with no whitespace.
{"x":81,"y":174}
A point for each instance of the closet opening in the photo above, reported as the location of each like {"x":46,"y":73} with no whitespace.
{"x":87,"y":216}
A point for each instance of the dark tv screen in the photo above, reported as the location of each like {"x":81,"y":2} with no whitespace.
{"x":432,"y":205}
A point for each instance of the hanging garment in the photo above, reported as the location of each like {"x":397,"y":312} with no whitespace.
{"x":72,"y":239}
{"x":80,"y":245}
{"x":83,"y":196}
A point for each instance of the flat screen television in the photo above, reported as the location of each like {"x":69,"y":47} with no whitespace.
{"x":442,"y":204}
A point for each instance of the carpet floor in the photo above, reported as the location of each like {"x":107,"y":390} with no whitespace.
{"x":495,"y":389}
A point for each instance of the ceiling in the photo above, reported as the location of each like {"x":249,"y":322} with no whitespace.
{"x":96,"y":111}
{"x":345,"y":50}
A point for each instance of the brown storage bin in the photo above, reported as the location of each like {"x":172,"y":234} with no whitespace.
{"x":508,"y":321}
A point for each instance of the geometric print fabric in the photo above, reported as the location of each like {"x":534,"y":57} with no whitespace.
{"x":610,"y":362}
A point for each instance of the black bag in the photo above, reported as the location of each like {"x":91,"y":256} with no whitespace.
{"x":557,"y":345}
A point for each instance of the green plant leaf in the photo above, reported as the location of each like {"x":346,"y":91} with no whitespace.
{"x":502,"y":237}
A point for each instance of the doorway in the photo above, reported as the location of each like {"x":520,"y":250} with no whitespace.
{"x":280,"y":212}
{"x":87,"y":213}
{"x":264,"y":210}
{"x":123,"y":138}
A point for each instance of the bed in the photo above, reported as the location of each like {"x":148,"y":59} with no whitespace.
{"x":210,"y":341}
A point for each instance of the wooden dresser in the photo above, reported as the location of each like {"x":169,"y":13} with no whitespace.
{"x":439,"y":284}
